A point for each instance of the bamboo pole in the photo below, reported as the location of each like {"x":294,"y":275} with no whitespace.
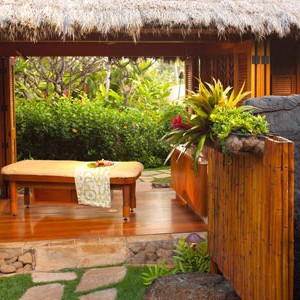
{"x":291,"y":219}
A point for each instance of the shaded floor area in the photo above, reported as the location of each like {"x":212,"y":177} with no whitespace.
{"x":158,"y":212}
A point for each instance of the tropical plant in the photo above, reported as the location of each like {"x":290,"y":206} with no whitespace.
{"x":157,"y":271}
{"x":189,"y":258}
{"x":196,"y":124}
{"x":49,"y":77}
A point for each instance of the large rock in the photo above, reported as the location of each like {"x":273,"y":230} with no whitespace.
{"x":26,"y":258}
{"x":192,"y":286}
{"x":7,"y":269}
{"x":283,"y":115}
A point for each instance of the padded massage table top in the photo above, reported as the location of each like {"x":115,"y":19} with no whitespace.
{"x":66,"y":168}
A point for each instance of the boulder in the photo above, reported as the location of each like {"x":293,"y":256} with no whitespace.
{"x":7,"y":269}
{"x":192,"y":286}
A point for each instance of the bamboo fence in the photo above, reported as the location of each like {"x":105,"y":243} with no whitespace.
{"x":250,"y":219}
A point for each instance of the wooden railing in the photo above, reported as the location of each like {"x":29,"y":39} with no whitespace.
{"x":250,"y":219}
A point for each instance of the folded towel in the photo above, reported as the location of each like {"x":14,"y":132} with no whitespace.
{"x":93,"y":186}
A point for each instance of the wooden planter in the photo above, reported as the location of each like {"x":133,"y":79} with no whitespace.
{"x":189,"y":187}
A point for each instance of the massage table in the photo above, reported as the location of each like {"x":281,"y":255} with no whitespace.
{"x":59,"y":174}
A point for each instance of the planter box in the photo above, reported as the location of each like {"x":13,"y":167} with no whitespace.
{"x":189,"y":187}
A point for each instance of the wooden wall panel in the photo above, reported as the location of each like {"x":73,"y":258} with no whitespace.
{"x":219,"y":67}
{"x":191,"y":74}
{"x":285,"y":67}
{"x":283,"y":85}
{"x":242,"y":67}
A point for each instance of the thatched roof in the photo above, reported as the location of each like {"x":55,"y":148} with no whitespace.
{"x":37,"y":20}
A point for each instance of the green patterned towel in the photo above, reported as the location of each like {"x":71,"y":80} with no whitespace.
{"x":93,"y":186}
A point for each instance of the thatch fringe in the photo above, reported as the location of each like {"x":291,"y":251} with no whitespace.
{"x":37,"y":20}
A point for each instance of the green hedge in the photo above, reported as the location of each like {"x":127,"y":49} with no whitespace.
{"x":86,"y":131}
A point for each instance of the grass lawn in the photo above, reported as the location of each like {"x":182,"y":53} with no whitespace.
{"x":164,"y":180}
{"x":157,"y":180}
{"x":159,"y":168}
{"x":131,"y":288}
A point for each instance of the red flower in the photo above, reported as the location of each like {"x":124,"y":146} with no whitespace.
{"x":85,"y":89}
{"x":177,"y":123}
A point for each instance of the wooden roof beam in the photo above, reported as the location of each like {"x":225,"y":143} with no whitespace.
{"x":113,"y":49}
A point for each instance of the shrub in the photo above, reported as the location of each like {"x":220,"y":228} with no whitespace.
{"x":85,"y":130}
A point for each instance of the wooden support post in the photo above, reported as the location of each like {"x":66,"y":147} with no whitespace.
{"x":8,"y":152}
{"x":298,"y":67}
{"x":268,"y":69}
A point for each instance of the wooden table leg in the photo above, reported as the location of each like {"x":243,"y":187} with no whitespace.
{"x":126,"y":201}
{"x":132,"y":196}
{"x":13,"y":198}
{"x":4,"y":189}
{"x":26,"y":197}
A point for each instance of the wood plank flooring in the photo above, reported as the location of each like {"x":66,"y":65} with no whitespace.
{"x":158,"y":212}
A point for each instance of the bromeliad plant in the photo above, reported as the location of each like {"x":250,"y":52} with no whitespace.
{"x":212,"y":114}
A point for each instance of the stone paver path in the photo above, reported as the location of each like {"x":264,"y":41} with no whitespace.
{"x":149,"y":176}
{"x":52,"y":291}
{"x":95,"y":278}
{"x":109,"y":294}
{"x":91,"y":280}
{"x":55,"y":276}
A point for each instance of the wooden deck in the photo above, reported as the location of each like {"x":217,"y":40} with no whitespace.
{"x":158,"y":212}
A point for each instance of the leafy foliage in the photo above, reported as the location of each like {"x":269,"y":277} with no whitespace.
{"x":130,"y":81}
{"x":196,"y":124}
{"x":85,"y":130}
{"x":191,"y":258}
{"x":48,"y":77}
{"x":92,"y":108}
{"x":157,"y":271}
{"x":188,"y":258}
{"x":238,"y":120}
{"x":134,"y":84}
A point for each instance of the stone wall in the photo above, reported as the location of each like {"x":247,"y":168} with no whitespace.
{"x":16,"y":260}
{"x":283,"y":115}
{"x":55,"y":255}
